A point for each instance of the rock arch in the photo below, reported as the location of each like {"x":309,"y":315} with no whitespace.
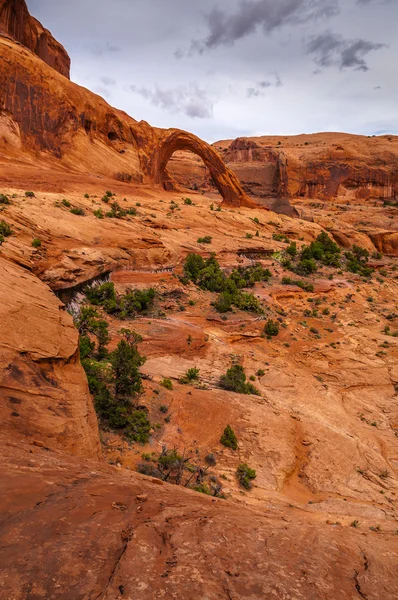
{"x":225,"y":180}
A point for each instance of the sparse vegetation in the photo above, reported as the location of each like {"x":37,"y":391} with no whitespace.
{"x":5,"y":231}
{"x":4,"y":199}
{"x":36,"y":243}
{"x":166,"y":383}
{"x":77,"y":211}
{"x":229,"y":439}
{"x":235,"y":381}
{"x":271,"y":328}
{"x":29,"y":194}
{"x":245,"y":476}
{"x":205,"y":240}
{"x":191,"y":376}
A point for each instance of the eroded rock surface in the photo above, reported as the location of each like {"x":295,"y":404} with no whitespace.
{"x":16,"y":21}
{"x":43,"y":388}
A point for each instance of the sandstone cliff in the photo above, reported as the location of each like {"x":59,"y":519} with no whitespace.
{"x":16,"y":21}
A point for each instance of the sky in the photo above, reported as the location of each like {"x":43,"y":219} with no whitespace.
{"x":231,"y":68}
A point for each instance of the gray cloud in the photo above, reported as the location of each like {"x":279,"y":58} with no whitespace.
{"x":259,"y":88}
{"x":108,"y":81}
{"x":330,"y":49}
{"x":107,"y":48}
{"x":188,"y":100}
{"x":225,"y":29}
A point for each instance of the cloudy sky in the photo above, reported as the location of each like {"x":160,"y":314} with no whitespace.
{"x":229,"y":68}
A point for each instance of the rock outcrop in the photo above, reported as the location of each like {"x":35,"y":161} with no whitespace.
{"x":44,"y":113}
{"x":320,"y":166}
{"x":43,"y":388}
{"x":94,"y":532}
{"x":16,"y":22}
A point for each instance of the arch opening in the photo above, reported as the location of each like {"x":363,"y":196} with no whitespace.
{"x":224,"y":179}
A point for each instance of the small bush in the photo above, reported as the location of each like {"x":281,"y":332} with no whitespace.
{"x":211,"y":460}
{"x":77,"y":211}
{"x":98,"y":213}
{"x":86,"y":196}
{"x":5,"y":231}
{"x":30,"y":194}
{"x":245,"y":476}
{"x":260,"y":373}
{"x":4,"y":199}
{"x":205,"y":240}
{"x":229,"y":439}
{"x":36,"y":243}
{"x":271,"y":328}
{"x":235,"y":381}
{"x":190,"y":376}
{"x":66,"y":203}
{"x":167,"y":383}
{"x":188,"y":201}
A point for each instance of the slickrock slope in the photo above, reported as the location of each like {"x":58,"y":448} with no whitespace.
{"x":78,"y":530}
{"x":16,"y":21}
{"x":83,"y":197}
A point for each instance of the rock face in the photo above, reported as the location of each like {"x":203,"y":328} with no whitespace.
{"x":16,"y":21}
{"x":84,"y":133}
{"x":322,"y":166}
{"x":97,"y":533}
{"x":43,"y":388}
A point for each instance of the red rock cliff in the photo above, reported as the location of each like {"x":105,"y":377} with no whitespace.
{"x":16,"y":21}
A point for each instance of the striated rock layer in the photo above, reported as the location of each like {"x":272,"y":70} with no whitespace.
{"x":45,"y":117}
{"x":16,"y":21}
{"x":320,"y":166}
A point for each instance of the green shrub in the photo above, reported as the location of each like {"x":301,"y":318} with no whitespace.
{"x":66,"y":203}
{"x":98,"y":213}
{"x":86,"y":196}
{"x":190,"y":376}
{"x":36,"y":243}
{"x":306,"y":266}
{"x":271,"y":328}
{"x":188,"y":201}
{"x":167,"y":383}
{"x":5,"y":231}
{"x":4,"y":199}
{"x":29,"y":194}
{"x":245,"y":476}
{"x":229,"y":439}
{"x":125,"y":361}
{"x":224,"y":302}
{"x":235,"y":381}
{"x":77,"y":211}
{"x":260,"y":373}
{"x":205,"y":240}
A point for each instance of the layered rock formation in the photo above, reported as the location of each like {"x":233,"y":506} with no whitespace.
{"x":16,"y":21}
{"x":321,"y":432}
{"x":81,"y":131}
{"x":320,"y":166}
{"x":43,"y":388}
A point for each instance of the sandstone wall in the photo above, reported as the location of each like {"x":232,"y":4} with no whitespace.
{"x":16,"y":21}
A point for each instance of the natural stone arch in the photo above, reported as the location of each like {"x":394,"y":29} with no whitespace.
{"x":225,"y":180}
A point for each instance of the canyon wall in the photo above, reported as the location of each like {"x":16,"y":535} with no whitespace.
{"x":16,"y":22}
